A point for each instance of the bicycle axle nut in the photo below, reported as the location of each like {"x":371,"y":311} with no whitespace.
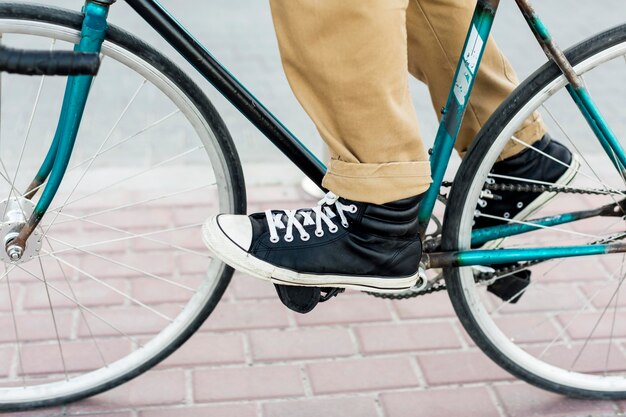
{"x":15,"y":252}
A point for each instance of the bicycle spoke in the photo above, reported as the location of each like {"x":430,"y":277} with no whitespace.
{"x":126,"y":238}
{"x":572,"y":321}
{"x":83,"y":307}
{"x":135,"y":175}
{"x":28,"y":130}
{"x":538,"y":226}
{"x":106,"y":139}
{"x":126,"y":139}
{"x":16,"y":332}
{"x":123,"y":265}
{"x":114,"y":146}
{"x":112,"y":288}
{"x":599,"y":182}
{"x":54,"y":320}
{"x":133,"y":236}
{"x":138,"y":203}
{"x":597,"y":323}
{"x":82,"y":312}
{"x":608,"y":350}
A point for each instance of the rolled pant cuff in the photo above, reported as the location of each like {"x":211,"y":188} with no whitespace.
{"x":377,"y":183}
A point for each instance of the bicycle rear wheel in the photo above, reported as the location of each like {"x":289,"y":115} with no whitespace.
{"x":121,"y":279}
{"x":565,"y":333}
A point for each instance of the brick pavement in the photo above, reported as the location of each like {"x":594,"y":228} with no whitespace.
{"x":353,"y":356}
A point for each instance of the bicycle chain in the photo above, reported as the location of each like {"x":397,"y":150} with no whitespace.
{"x":440,"y":285}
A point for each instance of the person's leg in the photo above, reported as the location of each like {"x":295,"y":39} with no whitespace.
{"x":346,"y":62}
{"x":436,"y":33}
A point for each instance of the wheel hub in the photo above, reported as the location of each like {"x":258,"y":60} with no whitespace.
{"x":16,"y":211}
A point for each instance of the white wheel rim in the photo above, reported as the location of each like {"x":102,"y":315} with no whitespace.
{"x":95,"y":379}
{"x":473,"y":299}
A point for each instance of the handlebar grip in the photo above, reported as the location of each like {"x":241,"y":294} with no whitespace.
{"x":18,"y":61}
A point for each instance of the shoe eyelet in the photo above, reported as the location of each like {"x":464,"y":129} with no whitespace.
{"x":319,"y":233}
{"x":506,"y":215}
{"x":288,"y":238}
{"x":520,"y":205}
{"x":345,"y":225}
{"x":333,"y":229}
{"x":274,"y":239}
{"x":353,"y":208}
{"x":304,"y":238}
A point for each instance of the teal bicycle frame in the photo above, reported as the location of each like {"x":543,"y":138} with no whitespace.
{"x":92,"y":36}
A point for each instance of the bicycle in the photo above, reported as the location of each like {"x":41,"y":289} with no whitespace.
{"x":116,"y":212}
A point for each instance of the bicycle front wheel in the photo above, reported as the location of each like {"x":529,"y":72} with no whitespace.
{"x":566,"y":331}
{"x":121,"y":278}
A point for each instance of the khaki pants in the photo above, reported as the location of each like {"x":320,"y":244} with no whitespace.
{"x":347,"y":60}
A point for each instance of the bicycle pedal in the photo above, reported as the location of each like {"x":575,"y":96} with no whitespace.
{"x":512,"y":287}
{"x":304,"y":299}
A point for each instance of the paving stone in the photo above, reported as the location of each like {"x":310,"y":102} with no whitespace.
{"x":528,"y":328}
{"x":88,"y":293}
{"x":247,"y":383}
{"x":152,"y":388}
{"x":358,"y":375}
{"x":546,"y":297}
{"x":151,"y":290}
{"x":522,"y":400}
{"x":581,"y":325}
{"x":346,"y":310}
{"x":327,"y":407}
{"x":7,"y":356}
{"x":208,"y":348}
{"x":233,"y":316}
{"x":231,"y":410}
{"x":433,"y":305}
{"x":300,"y":344}
{"x":78,"y":356}
{"x":245,"y":287}
{"x":132,"y":320}
{"x":460,"y":367}
{"x":455,"y":402}
{"x":406,"y":337}
{"x":593,"y":357}
{"x":36,"y":326}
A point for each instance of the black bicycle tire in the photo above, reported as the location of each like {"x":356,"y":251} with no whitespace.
{"x":126,"y":40}
{"x":463,"y":181}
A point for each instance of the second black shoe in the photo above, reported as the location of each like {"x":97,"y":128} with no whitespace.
{"x":339,"y":243}
{"x":547,"y":162}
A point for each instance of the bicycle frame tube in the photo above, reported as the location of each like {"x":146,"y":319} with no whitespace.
{"x":576,"y":88}
{"x":505,"y":256}
{"x":457,"y":102}
{"x":76,"y":94}
{"x":214,"y":72}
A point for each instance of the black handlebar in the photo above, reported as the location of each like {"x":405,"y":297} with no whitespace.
{"x":17,"y":61}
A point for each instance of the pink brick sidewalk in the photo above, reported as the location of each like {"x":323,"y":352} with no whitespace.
{"x":353,"y":356}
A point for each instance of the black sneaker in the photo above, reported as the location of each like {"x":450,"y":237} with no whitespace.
{"x":339,"y":243}
{"x":541,"y":167}
{"x":538,"y":167}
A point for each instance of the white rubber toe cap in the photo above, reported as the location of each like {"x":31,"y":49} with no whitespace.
{"x":237,"y":228}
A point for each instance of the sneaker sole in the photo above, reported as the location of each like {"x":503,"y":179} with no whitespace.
{"x":540,"y":201}
{"x":231,"y":254}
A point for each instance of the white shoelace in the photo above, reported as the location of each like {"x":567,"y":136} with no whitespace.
{"x":323,"y":215}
